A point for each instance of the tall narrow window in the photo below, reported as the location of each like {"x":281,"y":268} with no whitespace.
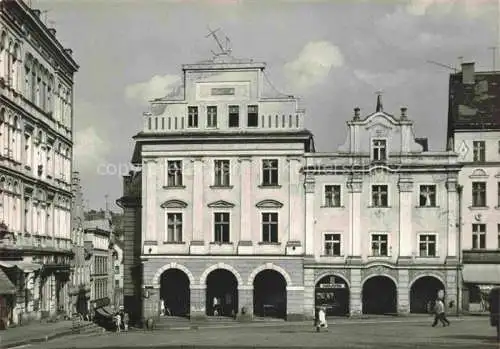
{"x":221,"y":227}
{"x":174,"y":173}
{"x":211,"y":116}
{"x":332,"y":196}
{"x":222,"y":174}
{"x":270,"y":227}
{"x":498,"y":194}
{"x":478,"y":236}
{"x":479,"y":151}
{"x":174,"y":227}
{"x":427,"y":243}
{"x":253,"y":116}
{"x":234,"y":116}
{"x":380,"y":196}
{"x":379,"y":150}
{"x":270,"y":172}
{"x":332,"y":245}
{"x":379,"y":245}
{"x":427,"y":195}
{"x":479,"y":194}
{"x":192,"y":116}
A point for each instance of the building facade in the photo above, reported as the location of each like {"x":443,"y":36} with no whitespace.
{"x":381,"y":216}
{"x":474,"y":133}
{"x":36,"y":140}
{"x":80,"y":264}
{"x":118,"y":272}
{"x":217,"y":233}
{"x":98,"y":242}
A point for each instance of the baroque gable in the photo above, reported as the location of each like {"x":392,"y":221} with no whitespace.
{"x":269,"y":203}
{"x":174,"y":203}
{"x":220,"y":204}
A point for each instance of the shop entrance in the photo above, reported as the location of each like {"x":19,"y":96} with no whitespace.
{"x":269,"y":294}
{"x":379,"y":296}
{"x":424,"y":292}
{"x":332,"y":292}
{"x":175,"y":292}
{"x":222,"y":293}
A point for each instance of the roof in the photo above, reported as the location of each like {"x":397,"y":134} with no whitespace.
{"x":101,"y":224}
{"x":475,"y":105}
{"x":6,"y":286}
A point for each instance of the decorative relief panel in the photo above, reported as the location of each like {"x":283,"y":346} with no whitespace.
{"x":416,"y":273}
{"x":344,"y":273}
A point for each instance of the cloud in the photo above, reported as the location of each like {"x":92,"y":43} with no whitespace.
{"x":469,"y":8}
{"x":90,"y":150}
{"x":158,"y":86}
{"x":313,"y":64}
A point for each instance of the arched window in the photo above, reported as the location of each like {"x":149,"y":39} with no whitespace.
{"x":16,"y":58}
{"x":3,"y":54}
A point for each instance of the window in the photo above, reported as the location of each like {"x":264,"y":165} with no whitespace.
{"x":222,"y":174}
{"x":174,"y":227}
{"x":174,"y":173}
{"x":479,"y":150}
{"x":270,"y":172}
{"x":478,"y":236}
{"x":427,"y":243}
{"x":498,"y":194}
{"x":221,"y":227}
{"x":479,"y":194}
{"x":379,"y":149}
{"x":234,"y":116}
{"x":379,"y":245}
{"x":332,"y":245}
{"x":253,"y":116}
{"x":269,"y":227}
{"x":192,"y":116}
{"x":332,"y":196}
{"x":428,"y":195}
{"x":498,"y":234}
{"x":379,"y":196}
{"x":211,"y":116}
{"x":117,"y":283}
{"x":117,"y":269}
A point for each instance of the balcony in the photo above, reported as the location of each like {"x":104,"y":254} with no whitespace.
{"x":481,"y":256}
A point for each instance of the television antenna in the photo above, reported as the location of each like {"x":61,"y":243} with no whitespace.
{"x":225,"y":50}
{"x":443,"y":65}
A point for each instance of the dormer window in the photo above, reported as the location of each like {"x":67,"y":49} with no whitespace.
{"x":234,"y":116}
{"x":193,"y":117}
{"x":253,"y":116}
{"x":379,"y":150}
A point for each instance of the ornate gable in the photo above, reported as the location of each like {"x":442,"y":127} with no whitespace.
{"x":478,"y":173}
{"x":174,"y":204}
{"x":269,"y":203}
{"x":220,"y":204}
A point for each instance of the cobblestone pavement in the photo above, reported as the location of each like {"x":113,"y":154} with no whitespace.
{"x":395,"y":333}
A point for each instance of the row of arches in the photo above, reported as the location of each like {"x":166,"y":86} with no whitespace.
{"x":379,"y":294}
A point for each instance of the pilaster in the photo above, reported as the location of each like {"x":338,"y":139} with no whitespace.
{"x":355,"y":188}
{"x":309,"y":293}
{"x":197,"y":242}
{"x":151,"y":304}
{"x":149,"y":219}
{"x":294,"y":303}
{"x":246,"y":185}
{"x":406,"y":242}
{"x":198,"y":302}
{"x":309,"y":187}
{"x":245,"y":303}
{"x":452,"y":207}
{"x":356,"y":307}
{"x":294,"y":245}
{"x":403,"y":291}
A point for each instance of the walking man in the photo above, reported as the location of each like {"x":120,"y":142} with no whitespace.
{"x":439,"y":314}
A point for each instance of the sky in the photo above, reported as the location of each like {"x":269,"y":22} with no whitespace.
{"x":335,"y":55}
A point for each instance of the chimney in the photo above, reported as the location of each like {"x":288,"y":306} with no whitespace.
{"x":52,"y":31}
{"x":356,"y":113}
{"x":37,"y":12}
{"x":403,"y":113}
{"x":68,"y":51}
{"x":468,"y":73}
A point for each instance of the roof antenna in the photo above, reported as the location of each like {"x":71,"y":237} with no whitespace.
{"x":444,"y":65}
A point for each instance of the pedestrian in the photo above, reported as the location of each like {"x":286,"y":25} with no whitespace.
{"x":321,"y":319}
{"x":439,"y":314}
{"x":118,"y":321}
{"x":125,"y":321}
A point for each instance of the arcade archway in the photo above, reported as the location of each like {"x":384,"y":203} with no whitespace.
{"x":423,"y":292}
{"x":332,"y":292}
{"x":379,"y":296}
{"x":269,"y":294}
{"x":175,"y":292}
{"x":222,"y":293}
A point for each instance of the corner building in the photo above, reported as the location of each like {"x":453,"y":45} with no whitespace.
{"x":222,"y":196}
{"x":380,"y":221}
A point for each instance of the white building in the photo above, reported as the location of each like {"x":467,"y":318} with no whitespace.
{"x":36,"y":141}
{"x":474,"y":132}
{"x":222,"y":194}
{"x":381,"y":216}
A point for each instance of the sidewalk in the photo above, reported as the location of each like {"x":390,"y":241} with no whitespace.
{"x":36,"y":332}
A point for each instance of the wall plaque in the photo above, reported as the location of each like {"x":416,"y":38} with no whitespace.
{"x":222,"y":91}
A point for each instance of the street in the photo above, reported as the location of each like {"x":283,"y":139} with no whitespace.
{"x":467,"y":332}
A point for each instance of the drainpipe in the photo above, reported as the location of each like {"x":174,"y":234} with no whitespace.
{"x":459,"y":264}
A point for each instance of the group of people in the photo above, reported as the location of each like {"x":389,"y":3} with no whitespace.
{"x":121,"y":320}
